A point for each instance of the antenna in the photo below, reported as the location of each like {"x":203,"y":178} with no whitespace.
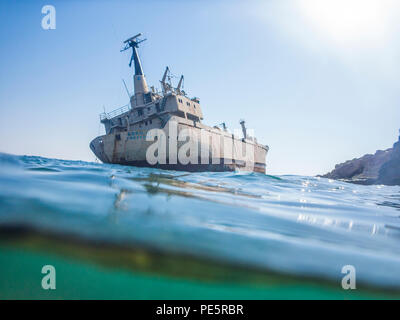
{"x":133,"y":38}
{"x":126,"y":88}
{"x":244,"y":130}
{"x":133,"y":42}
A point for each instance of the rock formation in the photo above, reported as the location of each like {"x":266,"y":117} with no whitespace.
{"x":383,"y":167}
{"x":389,"y":173}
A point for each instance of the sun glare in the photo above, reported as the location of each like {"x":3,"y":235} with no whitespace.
{"x":345,"y":21}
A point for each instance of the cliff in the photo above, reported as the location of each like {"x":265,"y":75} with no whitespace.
{"x":383,"y":167}
{"x":389,"y":173}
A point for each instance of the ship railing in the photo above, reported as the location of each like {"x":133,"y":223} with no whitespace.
{"x":115,"y":113}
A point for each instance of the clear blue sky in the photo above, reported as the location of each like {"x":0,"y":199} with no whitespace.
{"x":317,"y":82}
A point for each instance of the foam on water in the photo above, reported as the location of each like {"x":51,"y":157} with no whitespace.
{"x":295,"y":224}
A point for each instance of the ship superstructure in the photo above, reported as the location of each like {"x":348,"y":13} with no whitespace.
{"x":151,"y":116}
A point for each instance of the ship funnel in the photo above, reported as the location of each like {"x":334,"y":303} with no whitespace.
{"x":139,"y":79}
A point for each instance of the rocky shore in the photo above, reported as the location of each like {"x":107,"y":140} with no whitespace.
{"x":383,"y":167}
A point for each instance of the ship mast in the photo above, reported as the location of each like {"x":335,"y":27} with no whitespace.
{"x":139,"y":79}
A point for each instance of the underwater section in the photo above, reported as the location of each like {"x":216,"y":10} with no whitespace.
{"x":119,"y":232}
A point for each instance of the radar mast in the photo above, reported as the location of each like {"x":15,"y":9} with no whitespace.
{"x":139,"y":79}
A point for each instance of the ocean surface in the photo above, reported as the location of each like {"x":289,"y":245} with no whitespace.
{"x":291,"y":227}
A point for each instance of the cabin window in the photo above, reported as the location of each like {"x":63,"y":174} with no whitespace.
{"x":180,"y":113}
{"x":192,"y":117}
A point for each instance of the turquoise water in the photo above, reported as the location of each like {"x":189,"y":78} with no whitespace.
{"x":306,"y":227}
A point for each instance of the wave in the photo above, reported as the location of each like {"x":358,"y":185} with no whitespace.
{"x":297,"y":225}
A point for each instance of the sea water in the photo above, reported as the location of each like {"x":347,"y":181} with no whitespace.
{"x":307,"y":227}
